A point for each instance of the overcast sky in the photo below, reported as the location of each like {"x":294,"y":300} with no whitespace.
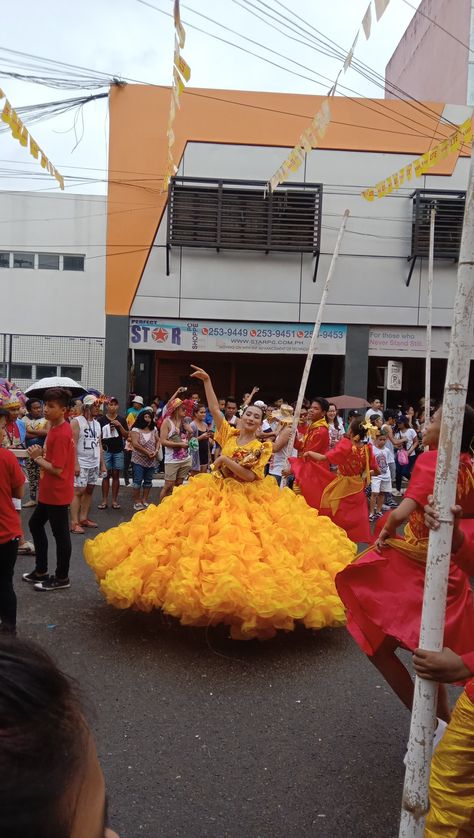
{"x":128,"y":39}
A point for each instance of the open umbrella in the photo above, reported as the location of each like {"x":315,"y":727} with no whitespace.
{"x":38,"y":389}
{"x":348,"y":402}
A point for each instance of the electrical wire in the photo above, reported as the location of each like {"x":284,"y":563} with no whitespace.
{"x":339,"y":52}
{"x":435,"y":23}
{"x":381,"y":110}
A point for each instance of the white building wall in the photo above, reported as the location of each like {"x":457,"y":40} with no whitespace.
{"x":42,"y":302}
{"x":369,"y":282}
{"x":53,"y":317}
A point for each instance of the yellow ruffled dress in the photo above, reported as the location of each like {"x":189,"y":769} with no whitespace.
{"x":219,"y":550}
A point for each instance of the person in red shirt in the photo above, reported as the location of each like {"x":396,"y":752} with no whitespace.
{"x":316,"y":437}
{"x":341,"y":497}
{"x":452,"y":769}
{"x":56,"y":491}
{"x":11,"y":486}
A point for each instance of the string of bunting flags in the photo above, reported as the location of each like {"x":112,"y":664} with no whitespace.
{"x":318,"y":126}
{"x":309,"y":138}
{"x":181,"y":75}
{"x":422,"y":164}
{"x":20,"y":132}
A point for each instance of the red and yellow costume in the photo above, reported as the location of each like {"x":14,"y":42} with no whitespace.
{"x":341,"y":498}
{"x":316,"y":438}
{"x":222,"y":550}
{"x":451,"y":812}
{"x":383,"y":593}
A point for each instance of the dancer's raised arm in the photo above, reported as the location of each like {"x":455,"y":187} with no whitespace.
{"x":211,"y":397}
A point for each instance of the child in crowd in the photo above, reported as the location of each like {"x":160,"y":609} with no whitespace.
{"x":36,"y":431}
{"x":382,"y":482}
{"x":387,"y":428}
{"x":56,"y":491}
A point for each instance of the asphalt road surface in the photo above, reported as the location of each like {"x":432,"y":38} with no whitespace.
{"x":199,"y":735}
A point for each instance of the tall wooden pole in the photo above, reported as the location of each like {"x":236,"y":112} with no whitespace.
{"x":314,"y":337}
{"x":415,"y":792}
{"x":429,"y":318}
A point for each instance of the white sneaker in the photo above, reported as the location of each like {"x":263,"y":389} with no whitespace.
{"x":138,"y":507}
{"x":396,"y":493}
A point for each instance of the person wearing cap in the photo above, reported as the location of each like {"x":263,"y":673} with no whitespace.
{"x":133,"y":411}
{"x":281,"y":451}
{"x":114,"y":435}
{"x":174,"y":437}
{"x":11,"y":488}
{"x":87,"y":435}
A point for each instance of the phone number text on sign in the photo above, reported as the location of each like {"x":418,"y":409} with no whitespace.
{"x":236,"y":337}
{"x":219,"y":332}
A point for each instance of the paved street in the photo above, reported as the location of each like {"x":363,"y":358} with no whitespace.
{"x":201,"y":736}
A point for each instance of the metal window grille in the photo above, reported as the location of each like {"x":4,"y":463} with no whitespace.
{"x":64,"y":354}
{"x":449,"y":207}
{"x":236,"y":215}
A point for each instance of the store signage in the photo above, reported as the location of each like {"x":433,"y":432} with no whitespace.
{"x":394,"y":375}
{"x":232,"y":336}
{"x":408,"y":342}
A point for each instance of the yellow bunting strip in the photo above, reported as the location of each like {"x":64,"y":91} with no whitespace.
{"x":181,"y":75}
{"x":308,"y":139}
{"x":20,"y":132}
{"x":422,"y":164}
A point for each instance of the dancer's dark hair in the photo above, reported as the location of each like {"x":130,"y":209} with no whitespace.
{"x":323,"y":403}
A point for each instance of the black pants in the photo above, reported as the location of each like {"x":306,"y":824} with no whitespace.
{"x":8,"y":554}
{"x":58,"y":517}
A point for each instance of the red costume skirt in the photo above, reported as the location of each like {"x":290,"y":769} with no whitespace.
{"x":383,"y":596}
{"x":351,"y":513}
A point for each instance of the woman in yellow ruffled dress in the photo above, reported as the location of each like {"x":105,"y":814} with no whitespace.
{"x":229,"y":547}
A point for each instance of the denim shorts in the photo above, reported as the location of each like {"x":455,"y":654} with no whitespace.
{"x":113,"y":461}
{"x":142,"y":475}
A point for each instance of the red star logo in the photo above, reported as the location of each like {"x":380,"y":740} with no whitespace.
{"x":160,"y":335}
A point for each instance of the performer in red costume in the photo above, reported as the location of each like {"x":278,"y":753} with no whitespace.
{"x":383,"y":589}
{"x":451,"y":788}
{"x":341,"y":498}
{"x":316,"y":437}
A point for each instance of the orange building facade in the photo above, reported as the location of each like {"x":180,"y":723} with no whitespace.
{"x":200,"y":285}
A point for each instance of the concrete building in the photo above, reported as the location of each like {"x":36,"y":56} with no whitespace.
{"x":431,"y":62}
{"x":52,"y":286}
{"x":216,"y":283}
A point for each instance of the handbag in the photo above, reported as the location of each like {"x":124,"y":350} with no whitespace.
{"x":402,"y":457}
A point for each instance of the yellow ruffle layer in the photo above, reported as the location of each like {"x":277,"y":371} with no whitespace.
{"x":218,"y":551}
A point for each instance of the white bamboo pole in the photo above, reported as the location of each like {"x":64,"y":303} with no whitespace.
{"x":314,"y":339}
{"x":429,"y":319}
{"x":415,"y":792}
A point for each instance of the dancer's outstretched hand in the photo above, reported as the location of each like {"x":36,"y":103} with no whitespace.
{"x":199,"y":373}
